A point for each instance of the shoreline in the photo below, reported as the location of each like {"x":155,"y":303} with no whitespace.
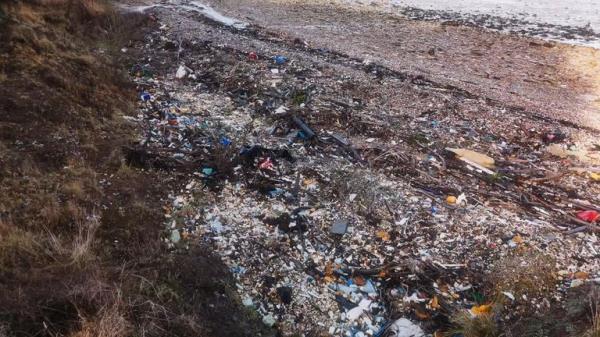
{"x":519,"y":19}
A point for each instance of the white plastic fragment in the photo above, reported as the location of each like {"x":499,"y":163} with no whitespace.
{"x":181,"y":72}
{"x":354,"y":313}
{"x":281,"y":110}
{"x":414,"y":298}
{"x":405,"y":328}
{"x":269,"y":320}
{"x":247,"y":301}
{"x":175,"y":236}
{"x":462,"y":198}
{"x":509,"y":295}
{"x":365,"y":303}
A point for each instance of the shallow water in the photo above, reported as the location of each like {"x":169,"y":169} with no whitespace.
{"x":557,"y":12}
{"x":570,"y":21}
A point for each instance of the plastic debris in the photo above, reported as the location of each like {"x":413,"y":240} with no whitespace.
{"x":269,"y":320}
{"x":339,"y":226}
{"x":354,"y":313}
{"x":405,"y":328}
{"x":280,"y":59}
{"x":145,"y":96}
{"x":285,"y":294}
{"x":451,"y":199}
{"x":472,"y":157}
{"x":589,"y":216}
{"x":308,"y":132}
{"x":276,"y":192}
{"x":247,"y":301}
{"x":266,"y":164}
{"x":554,"y":137}
{"x":478,"y":310}
{"x":283,"y":156}
{"x":225,"y":141}
{"x":509,"y":295}
{"x":175,"y":236}
{"x":182,"y":72}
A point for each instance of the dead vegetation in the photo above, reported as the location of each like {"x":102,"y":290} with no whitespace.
{"x":80,"y":230}
{"x":480,"y":326}
{"x":528,"y":273}
{"x":594,"y":330}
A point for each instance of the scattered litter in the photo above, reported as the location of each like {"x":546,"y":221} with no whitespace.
{"x":554,"y":137}
{"x":333,"y":213}
{"x":478,"y":310}
{"x":269,"y":320}
{"x":144,"y":96}
{"x":509,"y":295}
{"x":175,"y":236}
{"x":280,"y":59}
{"x":476,"y":158}
{"x":339,"y":226}
{"x":589,"y":216}
{"x":405,"y":328}
{"x":308,"y":132}
{"x":182,"y":72}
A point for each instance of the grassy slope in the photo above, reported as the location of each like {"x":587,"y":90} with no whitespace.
{"x":80,"y":231}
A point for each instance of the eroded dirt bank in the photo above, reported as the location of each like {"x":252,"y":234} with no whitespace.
{"x":81,"y":250}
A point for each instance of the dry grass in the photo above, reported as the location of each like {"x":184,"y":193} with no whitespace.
{"x":371,"y":196}
{"x":17,"y":247}
{"x":594,"y":330}
{"x":479,"y":326}
{"x":524,"y":273}
{"x":79,"y":249}
{"x":109,"y":322}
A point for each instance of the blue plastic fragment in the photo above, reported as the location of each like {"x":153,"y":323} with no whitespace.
{"x":368,"y":288}
{"x":276,"y":192}
{"x":145,"y":96}
{"x":301,"y":135}
{"x":280,"y":59}
{"x":238,"y":270}
{"x":225,"y":141}
{"x":208,"y":171}
{"x":381,"y":331}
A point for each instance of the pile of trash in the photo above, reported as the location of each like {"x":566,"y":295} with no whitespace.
{"x":351,"y":201}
